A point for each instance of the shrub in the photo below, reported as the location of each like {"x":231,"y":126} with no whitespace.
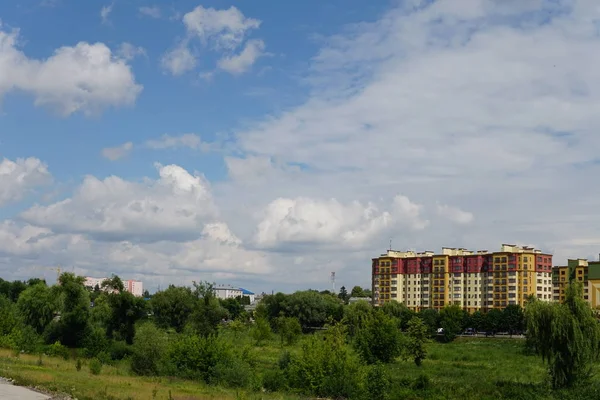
{"x":78,"y":365}
{"x":196,"y":356}
{"x":422,"y":382}
{"x":326,"y":368}
{"x":274,"y":380}
{"x":120,"y":350}
{"x":284,"y":360}
{"x":95,"y":366}
{"x":289,"y":330}
{"x":378,"y":382}
{"x":148,"y":350}
{"x":95,"y":342}
{"x":417,"y":339}
{"x":232,"y":372}
{"x":379,"y":340}
{"x":261,"y":331}
{"x":58,"y":350}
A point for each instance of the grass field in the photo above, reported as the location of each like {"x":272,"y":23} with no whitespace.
{"x":465,"y":369}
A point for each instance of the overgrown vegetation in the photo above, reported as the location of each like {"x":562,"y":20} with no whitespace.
{"x":307,"y":344}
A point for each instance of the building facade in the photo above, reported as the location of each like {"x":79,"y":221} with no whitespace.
{"x":474,"y":280}
{"x":134,"y":287}
{"x":227,"y":292}
{"x":578,"y":270}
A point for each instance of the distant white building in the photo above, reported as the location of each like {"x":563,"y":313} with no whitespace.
{"x":136,"y":288}
{"x":249,"y":294}
{"x":227,"y":292}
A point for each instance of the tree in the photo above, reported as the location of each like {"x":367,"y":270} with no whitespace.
{"x":343,"y":295}
{"x":399,"y":311}
{"x":379,"y":340}
{"x":36,"y":306}
{"x":261,"y":331}
{"x":289,"y":330}
{"x":451,"y":318}
{"x":493,"y":321}
{"x":233,"y":307}
{"x":125,"y":311}
{"x":477,"y":321}
{"x":207,"y":313}
{"x":172,"y":307}
{"x":312,"y":309}
{"x":357,"y":291}
{"x":356,"y":316}
{"x":417,"y":339}
{"x":513,"y":319}
{"x":72,"y":326}
{"x":431,"y":318}
{"x":566,"y":335}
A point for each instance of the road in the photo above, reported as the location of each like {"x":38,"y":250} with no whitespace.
{"x":11,"y":392}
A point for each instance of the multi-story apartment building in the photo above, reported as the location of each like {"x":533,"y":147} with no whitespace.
{"x":134,"y":287}
{"x":474,"y":280}
{"x":578,"y":270}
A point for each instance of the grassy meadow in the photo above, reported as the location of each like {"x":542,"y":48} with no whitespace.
{"x":468,"y":368}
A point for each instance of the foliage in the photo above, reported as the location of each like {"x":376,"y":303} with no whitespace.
{"x":125,"y":311}
{"x":379,"y":340}
{"x":378,"y":382}
{"x":431,"y":318}
{"x":207,"y":313}
{"x":312,"y":309}
{"x":326,"y":368}
{"x":9,"y":319}
{"x":451,"y":318}
{"x":289,"y":330}
{"x":36,"y":306}
{"x":513,"y":319}
{"x":233,"y":306}
{"x":261,"y":331}
{"x":95,"y":366}
{"x":567,"y":337}
{"x":417,"y":340}
{"x":343,"y":295}
{"x":197,"y":356}
{"x":72,"y":326}
{"x":237,"y":327}
{"x":357,"y":291}
{"x":356,"y":316}
{"x":149,"y":349}
{"x":95,"y":341}
{"x":399,"y":311}
{"x":58,"y":350}
{"x":172,"y":307}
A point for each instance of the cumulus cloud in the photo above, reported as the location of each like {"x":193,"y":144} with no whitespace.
{"x":20,"y":177}
{"x":223,"y":31}
{"x":310,"y":221}
{"x":128,"y":52}
{"x":118,"y":152}
{"x":173,"y":207}
{"x":455,"y":214}
{"x":85,"y":78}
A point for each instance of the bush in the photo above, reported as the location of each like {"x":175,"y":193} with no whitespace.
{"x":58,"y":350}
{"x":95,"y":366}
{"x":231,"y":372}
{"x":378,"y":382}
{"x":379,"y":340}
{"x":326,"y":368}
{"x":196,"y":357}
{"x":95,"y":342}
{"x":274,"y":380}
{"x":78,"y":365}
{"x":284,"y":360}
{"x":289,"y":330}
{"x":261,"y":331}
{"x":148,"y":350}
{"x":120,"y":350}
{"x":422,"y":382}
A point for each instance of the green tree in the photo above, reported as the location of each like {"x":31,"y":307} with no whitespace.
{"x":73,"y":324}
{"x":493,"y":320}
{"x":567,"y":337}
{"x":8,"y":316}
{"x":357,"y":291}
{"x":313,"y":309}
{"x":451,"y":318}
{"x":149,"y":348}
{"x":431,"y":318}
{"x":356,"y":316}
{"x":261,"y":331}
{"x":233,"y":306}
{"x":477,"y":321}
{"x":513,"y":319}
{"x":36,"y":306}
{"x":343,"y":295}
{"x":417,"y":340}
{"x":207,"y":313}
{"x":289,"y":330}
{"x":172,"y":307}
{"x":399,"y":311}
{"x":379,"y":340}
{"x":125,"y":311}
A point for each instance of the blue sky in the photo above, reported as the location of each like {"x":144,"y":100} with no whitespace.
{"x":266,"y":144}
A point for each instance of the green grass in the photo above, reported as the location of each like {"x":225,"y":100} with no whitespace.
{"x":474,"y":368}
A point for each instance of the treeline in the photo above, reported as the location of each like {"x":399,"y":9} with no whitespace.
{"x":187,"y":332}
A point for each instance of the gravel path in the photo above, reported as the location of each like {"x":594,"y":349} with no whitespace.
{"x":10,"y":392}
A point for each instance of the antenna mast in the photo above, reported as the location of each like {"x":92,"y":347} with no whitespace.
{"x":333,"y":281}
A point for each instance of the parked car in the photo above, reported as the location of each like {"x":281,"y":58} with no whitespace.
{"x":469,"y":331}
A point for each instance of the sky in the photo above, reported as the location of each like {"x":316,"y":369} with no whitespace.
{"x":266,"y":144}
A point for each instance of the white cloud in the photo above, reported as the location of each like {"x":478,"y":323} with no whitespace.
{"x":223,"y":31}
{"x":85,"y":78}
{"x":189,"y":140}
{"x":20,"y":177}
{"x":173,"y":207}
{"x":152,"y":12}
{"x":118,"y":152}
{"x":179,"y":61}
{"x":240,"y":63}
{"x":105,"y":12}
{"x":314,"y":222}
{"x":455,"y":214}
{"x":128,"y":52}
